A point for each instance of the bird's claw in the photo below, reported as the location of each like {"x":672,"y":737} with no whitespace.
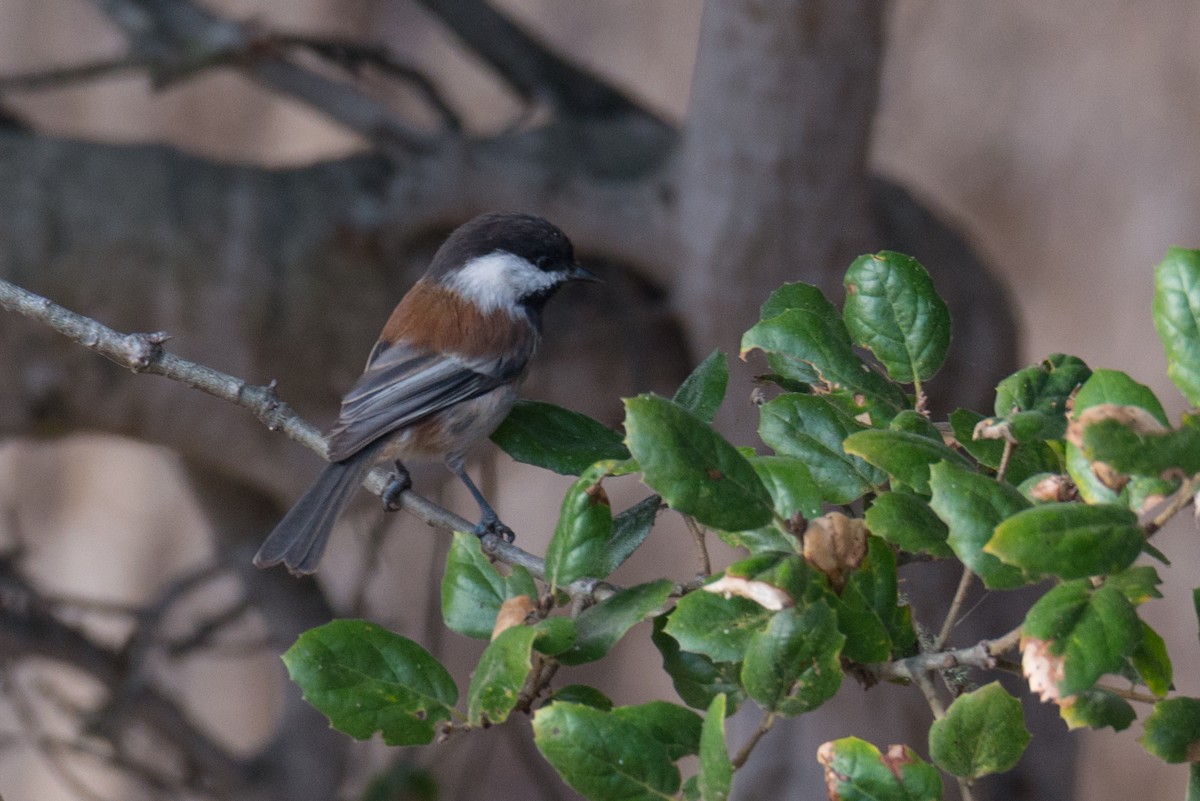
{"x":494,"y":526}
{"x":400,"y":483}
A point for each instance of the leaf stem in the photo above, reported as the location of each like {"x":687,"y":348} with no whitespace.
{"x":701,"y":547}
{"x":960,"y":597}
{"x":1183,"y":496}
{"x":764,"y":726}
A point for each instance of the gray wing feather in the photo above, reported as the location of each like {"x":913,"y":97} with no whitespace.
{"x":400,"y":387}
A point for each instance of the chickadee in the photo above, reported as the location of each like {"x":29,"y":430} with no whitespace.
{"x":442,"y":376}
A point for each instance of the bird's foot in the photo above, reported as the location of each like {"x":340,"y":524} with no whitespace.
{"x":492,"y":525}
{"x":400,"y":483}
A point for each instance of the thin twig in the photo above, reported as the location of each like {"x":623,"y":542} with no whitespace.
{"x":960,"y":596}
{"x":144,"y":353}
{"x":63,"y":77}
{"x":1130,"y":695}
{"x":1009,"y":445}
{"x":981,"y":655}
{"x":701,"y":547}
{"x":764,"y":726}
{"x":1186,"y":494}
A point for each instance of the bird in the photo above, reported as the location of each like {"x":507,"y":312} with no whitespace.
{"x":442,"y":376}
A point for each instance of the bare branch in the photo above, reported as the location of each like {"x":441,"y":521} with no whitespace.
{"x":981,"y":655}
{"x":181,"y":37}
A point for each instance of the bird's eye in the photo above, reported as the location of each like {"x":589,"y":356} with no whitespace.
{"x":542,"y":263}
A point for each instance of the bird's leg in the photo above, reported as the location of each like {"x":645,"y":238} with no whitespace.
{"x":400,"y":483}
{"x":489,"y":522}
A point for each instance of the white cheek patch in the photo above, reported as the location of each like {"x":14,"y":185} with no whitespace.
{"x":498,"y":280}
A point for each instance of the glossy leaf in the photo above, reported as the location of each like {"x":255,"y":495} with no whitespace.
{"x":805,"y":345}
{"x":716,"y":770}
{"x":719,"y":628}
{"x":1117,"y":388}
{"x":792,"y":666}
{"x":629,"y":531}
{"x":1093,"y":630}
{"x":1097,"y":708}
{"x":697,"y":679}
{"x":585,"y":525}
{"x":972,"y":505}
{"x":1139,"y":583}
{"x":600,"y":626}
{"x":907,"y":522}
{"x":812,"y":429}
{"x":1152,"y":663}
{"x":1069,"y":540}
{"x":702,"y":392}
{"x":855,"y":770}
{"x":692,"y":467}
{"x":472,"y":590}
{"x":983,"y":732}
{"x":1148,"y":454}
{"x":1044,"y":387}
{"x":557,"y":439}
{"x":604,"y":756}
{"x":893,"y":311}
{"x":869,"y":613}
{"x":1177,"y":318}
{"x":903,"y":455}
{"x":792,"y":486}
{"x":1172,"y":731}
{"x":366,"y":679}
{"x":498,"y":678}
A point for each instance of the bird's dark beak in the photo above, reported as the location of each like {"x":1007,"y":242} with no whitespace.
{"x":578,"y":273}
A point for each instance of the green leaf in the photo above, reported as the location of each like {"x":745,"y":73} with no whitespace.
{"x":1097,"y":708}
{"x":719,"y":628}
{"x":1152,"y":663}
{"x":1079,"y":468}
{"x":498,"y":678}
{"x":792,"y":665}
{"x":1147,"y":454}
{"x":604,"y":756}
{"x":916,"y":423}
{"x":792,"y":487}
{"x":695,"y":470}
{"x":366,"y":679}
{"x":1069,"y":540}
{"x":1172,"y":731}
{"x":1044,"y":387}
{"x":906,"y":521}
{"x":812,"y":429}
{"x":472,"y":590}
{"x":716,"y":771}
{"x":971,"y":505}
{"x":697,"y":679}
{"x":582,"y":694}
{"x":557,"y":439}
{"x":1117,"y":388}
{"x":584,"y":528}
{"x":1027,"y":459}
{"x":856,"y":771}
{"x":1139,"y":583}
{"x":677,"y":728}
{"x":1176,"y":315}
{"x":402,"y":780}
{"x":554,"y":634}
{"x":904,"y":456}
{"x":805,"y":345}
{"x":982,"y":732}
{"x":869,"y":611}
{"x":602,"y":625}
{"x":1093,"y":630}
{"x":893,"y":311}
{"x":629,"y":531}
{"x":761,"y":540}
{"x":701,"y":392}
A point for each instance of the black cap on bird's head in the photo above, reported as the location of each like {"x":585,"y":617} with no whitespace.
{"x":506,"y":258}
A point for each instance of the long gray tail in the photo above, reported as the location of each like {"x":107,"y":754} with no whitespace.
{"x":299,"y":539}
